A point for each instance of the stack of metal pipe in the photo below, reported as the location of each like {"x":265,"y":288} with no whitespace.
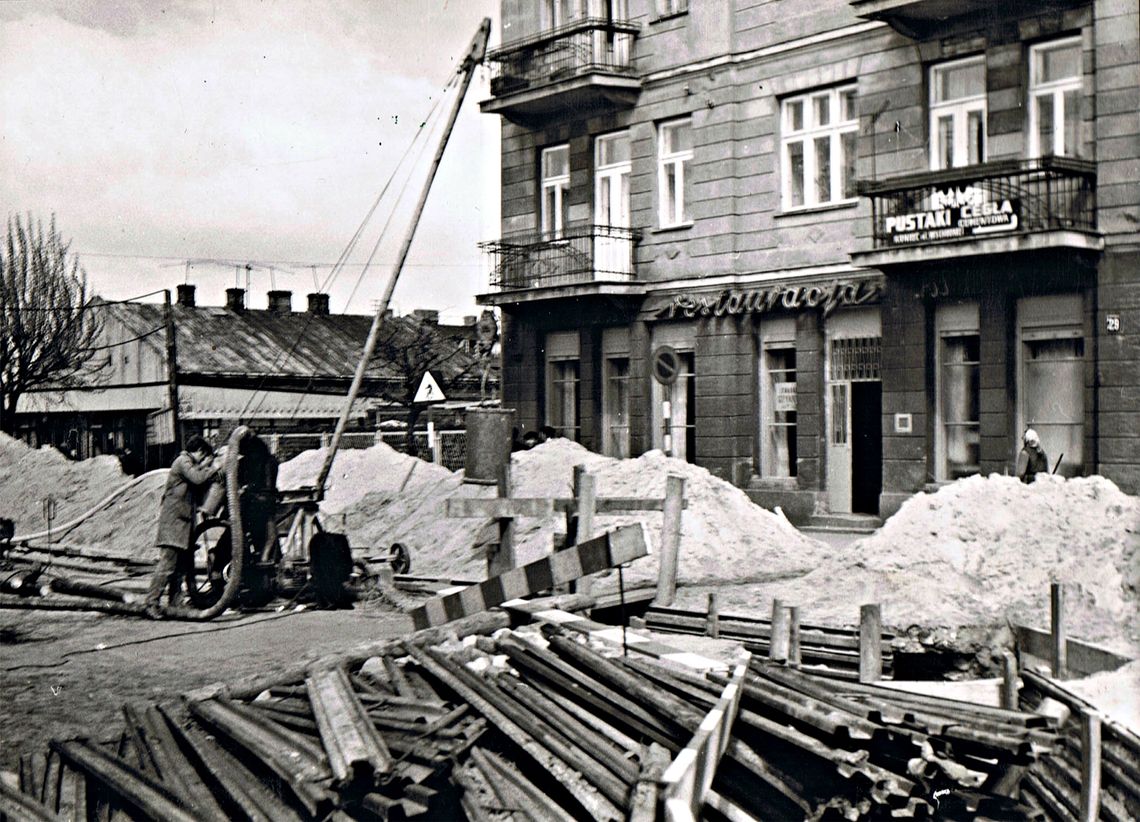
{"x":530,"y":724}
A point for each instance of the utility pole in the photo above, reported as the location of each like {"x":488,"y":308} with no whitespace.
{"x":171,"y":368}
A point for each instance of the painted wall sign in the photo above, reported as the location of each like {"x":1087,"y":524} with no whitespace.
{"x":954,"y":213}
{"x":827,"y":296}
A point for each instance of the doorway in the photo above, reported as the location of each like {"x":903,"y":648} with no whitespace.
{"x":866,"y":446}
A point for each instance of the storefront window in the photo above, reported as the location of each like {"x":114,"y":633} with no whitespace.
{"x":961,"y":429}
{"x":778,"y":448}
{"x":615,"y":404}
{"x":563,"y":398}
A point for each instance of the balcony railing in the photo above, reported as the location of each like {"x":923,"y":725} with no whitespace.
{"x":577,"y":256}
{"x":1000,"y":198}
{"x":586,"y":46}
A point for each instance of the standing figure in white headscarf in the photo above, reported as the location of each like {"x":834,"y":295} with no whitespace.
{"x":1032,"y":460}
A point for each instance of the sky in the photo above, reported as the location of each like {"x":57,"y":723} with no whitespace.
{"x":249,"y":131}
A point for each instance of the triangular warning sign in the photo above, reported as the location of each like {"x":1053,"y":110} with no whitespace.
{"x":429,"y":390}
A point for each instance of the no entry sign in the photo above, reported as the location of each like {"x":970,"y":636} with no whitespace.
{"x":666,"y":365}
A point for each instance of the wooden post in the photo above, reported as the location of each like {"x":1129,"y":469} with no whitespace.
{"x":670,"y":540}
{"x":1090,"y":766}
{"x":870,"y":643}
{"x":171,"y":369}
{"x":1009,"y":681}
{"x":794,"y":636}
{"x":778,"y":642}
{"x":712,"y":624}
{"x":585,"y":494}
{"x":1057,"y":612}
{"x":502,"y":559}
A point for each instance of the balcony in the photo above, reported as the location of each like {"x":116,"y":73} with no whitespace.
{"x":991,"y":208}
{"x":592,"y":259}
{"x":923,"y":19}
{"x":586,"y":64}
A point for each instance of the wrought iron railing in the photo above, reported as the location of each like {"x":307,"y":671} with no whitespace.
{"x":582,"y":254}
{"x":1015,"y":196}
{"x":584,"y":46}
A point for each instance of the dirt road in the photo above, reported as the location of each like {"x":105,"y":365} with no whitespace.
{"x":66,"y":674}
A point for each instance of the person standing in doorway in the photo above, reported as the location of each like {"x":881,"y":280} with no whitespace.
{"x":191,"y":471}
{"x":1032,"y":460}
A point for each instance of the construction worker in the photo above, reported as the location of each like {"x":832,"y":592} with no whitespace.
{"x":191,"y":472}
{"x":1032,"y":460}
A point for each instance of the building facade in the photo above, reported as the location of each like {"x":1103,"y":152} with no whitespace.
{"x":836,"y":252}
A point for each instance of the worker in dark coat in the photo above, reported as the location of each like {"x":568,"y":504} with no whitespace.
{"x":1032,"y":460}
{"x":191,"y":472}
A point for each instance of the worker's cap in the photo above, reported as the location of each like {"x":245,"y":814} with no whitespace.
{"x":1030,"y":437}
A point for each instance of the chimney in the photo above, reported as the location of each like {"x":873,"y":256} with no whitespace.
{"x":427,"y":316}
{"x":280,"y":302}
{"x":318,"y":303}
{"x":235,"y":299}
{"x":186,"y":295}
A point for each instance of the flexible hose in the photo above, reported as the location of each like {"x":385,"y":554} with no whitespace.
{"x":237,"y":534}
{"x":60,"y":530}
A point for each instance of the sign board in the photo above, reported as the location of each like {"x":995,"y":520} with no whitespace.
{"x":954,"y":213}
{"x":160,"y":427}
{"x":1112,"y":323}
{"x":429,"y":390}
{"x":666,"y":365}
{"x":785,"y":396}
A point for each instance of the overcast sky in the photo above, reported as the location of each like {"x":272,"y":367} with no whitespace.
{"x":245,"y":130}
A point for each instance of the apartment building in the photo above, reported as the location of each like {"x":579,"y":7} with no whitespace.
{"x":836,"y":252}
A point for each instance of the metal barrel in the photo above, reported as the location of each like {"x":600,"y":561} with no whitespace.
{"x":488,"y":443}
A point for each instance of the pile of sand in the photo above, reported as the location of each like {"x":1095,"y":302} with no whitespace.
{"x":724,"y":536}
{"x":984,"y":550}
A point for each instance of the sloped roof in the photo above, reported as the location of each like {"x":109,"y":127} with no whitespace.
{"x":212,"y":341}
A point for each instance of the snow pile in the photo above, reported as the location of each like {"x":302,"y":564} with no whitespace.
{"x":724,"y":535}
{"x":984,"y":550}
{"x":359,"y":471}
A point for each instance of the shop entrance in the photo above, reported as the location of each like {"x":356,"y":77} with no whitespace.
{"x":855,"y":436}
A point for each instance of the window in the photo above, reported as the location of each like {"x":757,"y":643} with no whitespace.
{"x":778,"y":407}
{"x":611,"y":184}
{"x":957,"y":385}
{"x":668,"y":8}
{"x":1051,"y":388}
{"x":555,"y":190}
{"x":958,"y":113}
{"x":563,"y":399}
{"x":615,"y":408}
{"x":819,"y":136}
{"x":1054,"y":98}
{"x":675,"y":150}
{"x":557,"y":13}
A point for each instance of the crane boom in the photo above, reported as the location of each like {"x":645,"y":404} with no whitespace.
{"x":471,"y":59}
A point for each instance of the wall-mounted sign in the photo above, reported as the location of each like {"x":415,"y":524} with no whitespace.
{"x":1112,"y":323}
{"x":904,"y":423}
{"x":827,"y":296}
{"x":954,"y":213}
{"x":785,"y":396}
{"x":666,"y":365}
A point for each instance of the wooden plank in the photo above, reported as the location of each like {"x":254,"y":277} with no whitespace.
{"x":670,"y":540}
{"x":688,"y":779}
{"x":499,"y":507}
{"x":1090,"y":766}
{"x":606,"y":551}
{"x":1059,"y":649}
{"x":1083,"y":658}
{"x":870,"y":643}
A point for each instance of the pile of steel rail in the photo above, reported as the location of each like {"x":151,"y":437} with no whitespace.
{"x":522,"y":724}
{"x":835,"y":650}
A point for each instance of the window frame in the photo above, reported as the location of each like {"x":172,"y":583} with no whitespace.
{"x":676,"y":216}
{"x":960,"y":108}
{"x":806,"y":137}
{"x":953,"y":321}
{"x":1057,"y":89}
{"x":555,"y":381}
{"x":560,"y":186}
{"x":616,"y":406}
{"x":769,"y":469}
{"x":614,"y":172}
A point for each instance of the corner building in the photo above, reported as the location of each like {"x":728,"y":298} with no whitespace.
{"x":835,"y":252}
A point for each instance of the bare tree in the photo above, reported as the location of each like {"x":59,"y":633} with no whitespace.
{"x":409,"y":348}
{"x":47,"y":325}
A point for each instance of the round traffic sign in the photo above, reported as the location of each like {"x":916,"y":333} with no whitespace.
{"x":666,"y":365}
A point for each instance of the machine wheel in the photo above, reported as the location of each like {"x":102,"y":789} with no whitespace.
{"x":206,"y":575}
{"x":399,"y":560}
